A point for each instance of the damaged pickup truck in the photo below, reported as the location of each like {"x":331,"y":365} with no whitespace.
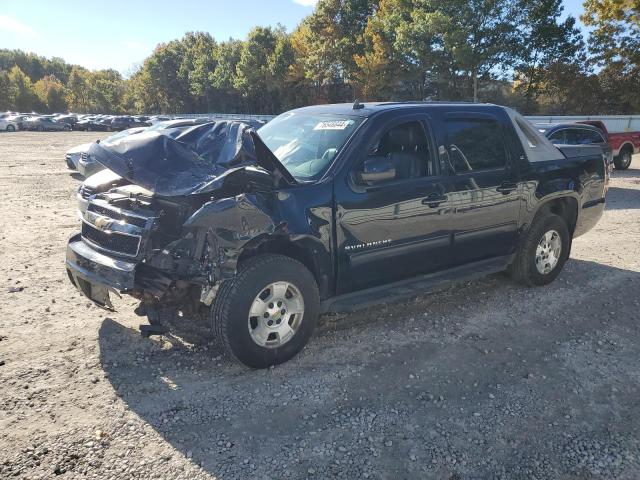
{"x":327,"y":208}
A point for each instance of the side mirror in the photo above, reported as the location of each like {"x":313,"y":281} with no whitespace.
{"x":377,"y":168}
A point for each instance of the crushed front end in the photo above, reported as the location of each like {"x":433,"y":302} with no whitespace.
{"x":122,"y":231}
{"x":167,"y":225}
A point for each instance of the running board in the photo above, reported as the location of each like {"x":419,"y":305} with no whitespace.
{"x":413,"y":287}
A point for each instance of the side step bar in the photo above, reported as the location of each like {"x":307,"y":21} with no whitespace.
{"x":413,"y":287}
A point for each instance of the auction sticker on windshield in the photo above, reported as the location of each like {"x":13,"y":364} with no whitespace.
{"x":333,"y":125}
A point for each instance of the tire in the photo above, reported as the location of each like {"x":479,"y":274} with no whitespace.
{"x":11,"y":128}
{"x":623,"y":160}
{"x":524,"y":268}
{"x":231,"y":322}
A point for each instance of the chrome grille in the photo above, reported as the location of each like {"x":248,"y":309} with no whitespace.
{"x":111,"y":241}
{"x":117,"y":215}
{"x":121,"y":231}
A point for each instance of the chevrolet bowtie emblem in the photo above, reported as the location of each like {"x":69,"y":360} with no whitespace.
{"x":103,"y":223}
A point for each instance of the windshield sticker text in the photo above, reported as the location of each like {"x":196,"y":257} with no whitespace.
{"x":333,"y":125}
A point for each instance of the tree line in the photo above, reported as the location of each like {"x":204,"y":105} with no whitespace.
{"x":521,"y":53}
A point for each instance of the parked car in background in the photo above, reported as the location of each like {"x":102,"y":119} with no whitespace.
{"x":9,"y":125}
{"x":72,"y":157}
{"x":327,"y":208}
{"x":125,"y":122}
{"x":158,"y":118}
{"x":45,"y":124}
{"x":91,"y":124}
{"x":18,"y":119}
{"x":577,"y":134}
{"x":623,"y":144}
{"x":70,"y":119}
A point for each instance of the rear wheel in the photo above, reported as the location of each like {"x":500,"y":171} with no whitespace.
{"x":623,"y":160}
{"x":543,"y":252}
{"x":267,"y":313}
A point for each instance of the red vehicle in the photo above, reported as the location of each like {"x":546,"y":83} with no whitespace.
{"x":623,"y":144}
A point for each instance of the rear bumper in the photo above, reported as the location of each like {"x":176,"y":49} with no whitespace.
{"x":588,"y":216}
{"x":95,"y":274}
{"x":72,"y":161}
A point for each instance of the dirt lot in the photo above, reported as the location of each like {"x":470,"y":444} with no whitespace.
{"x":482,"y":380}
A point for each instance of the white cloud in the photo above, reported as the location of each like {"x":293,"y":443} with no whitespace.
{"x":12,"y":25}
{"x":306,"y":3}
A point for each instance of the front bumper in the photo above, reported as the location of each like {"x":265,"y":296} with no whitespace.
{"x":95,"y":274}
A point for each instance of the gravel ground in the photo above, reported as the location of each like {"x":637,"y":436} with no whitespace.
{"x":481,"y":380}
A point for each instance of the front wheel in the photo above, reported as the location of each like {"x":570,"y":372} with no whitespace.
{"x":267,"y":313}
{"x":11,"y":128}
{"x":543,"y":252}
{"x":623,"y":160}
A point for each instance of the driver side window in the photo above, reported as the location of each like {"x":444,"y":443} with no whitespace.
{"x":401,"y":153}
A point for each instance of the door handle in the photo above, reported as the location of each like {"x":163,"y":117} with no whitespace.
{"x":506,"y":188}
{"x":434,"y":199}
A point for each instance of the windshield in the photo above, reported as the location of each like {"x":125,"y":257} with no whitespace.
{"x":306,"y":144}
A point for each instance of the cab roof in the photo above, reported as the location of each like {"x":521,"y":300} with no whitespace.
{"x":367,"y":109}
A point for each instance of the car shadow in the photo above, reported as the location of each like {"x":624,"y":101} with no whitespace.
{"x":77,"y":176}
{"x":350,"y":386}
{"x":619,"y":198}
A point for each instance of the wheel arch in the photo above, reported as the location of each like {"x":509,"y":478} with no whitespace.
{"x":565,"y":207}
{"x":627,"y":146}
{"x":282,"y":245}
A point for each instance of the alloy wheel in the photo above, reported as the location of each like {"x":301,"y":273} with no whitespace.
{"x":276,"y":314}
{"x":548,"y":252}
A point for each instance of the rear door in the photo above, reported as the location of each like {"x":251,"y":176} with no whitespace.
{"x":483,"y":186}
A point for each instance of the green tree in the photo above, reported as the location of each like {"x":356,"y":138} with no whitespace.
{"x":616,"y":31}
{"x":77,"y":91}
{"x":263,"y":68}
{"x":552,"y":46}
{"x":223,"y":78}
{"x":21,"y":94}
{"x":51,"y":93}
{"x":5,"y":91}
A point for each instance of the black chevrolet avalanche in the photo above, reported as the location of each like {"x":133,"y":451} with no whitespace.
{"x":326,"y":208}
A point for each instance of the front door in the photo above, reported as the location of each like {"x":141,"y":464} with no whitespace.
{"x":396,"y":226}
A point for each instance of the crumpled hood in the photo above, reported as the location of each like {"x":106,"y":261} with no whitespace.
{"x":190,"y":162}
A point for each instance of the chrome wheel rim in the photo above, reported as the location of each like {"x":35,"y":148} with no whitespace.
{"x":626,"y":159}
{"x":548,"y":252}
{"x":276,"y":314}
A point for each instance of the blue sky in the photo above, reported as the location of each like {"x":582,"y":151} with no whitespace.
{"x":120,"y":34}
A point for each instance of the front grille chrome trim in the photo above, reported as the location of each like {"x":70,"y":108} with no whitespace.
{"x":102,"y":248}
{"x":114,"y":230}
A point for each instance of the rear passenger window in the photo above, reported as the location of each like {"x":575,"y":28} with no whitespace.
{"x":476,"y":144}
{"x":596,"y":137}
{"x":559,"y":138}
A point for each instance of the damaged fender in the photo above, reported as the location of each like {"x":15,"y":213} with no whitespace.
{"x":229,"y":224}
